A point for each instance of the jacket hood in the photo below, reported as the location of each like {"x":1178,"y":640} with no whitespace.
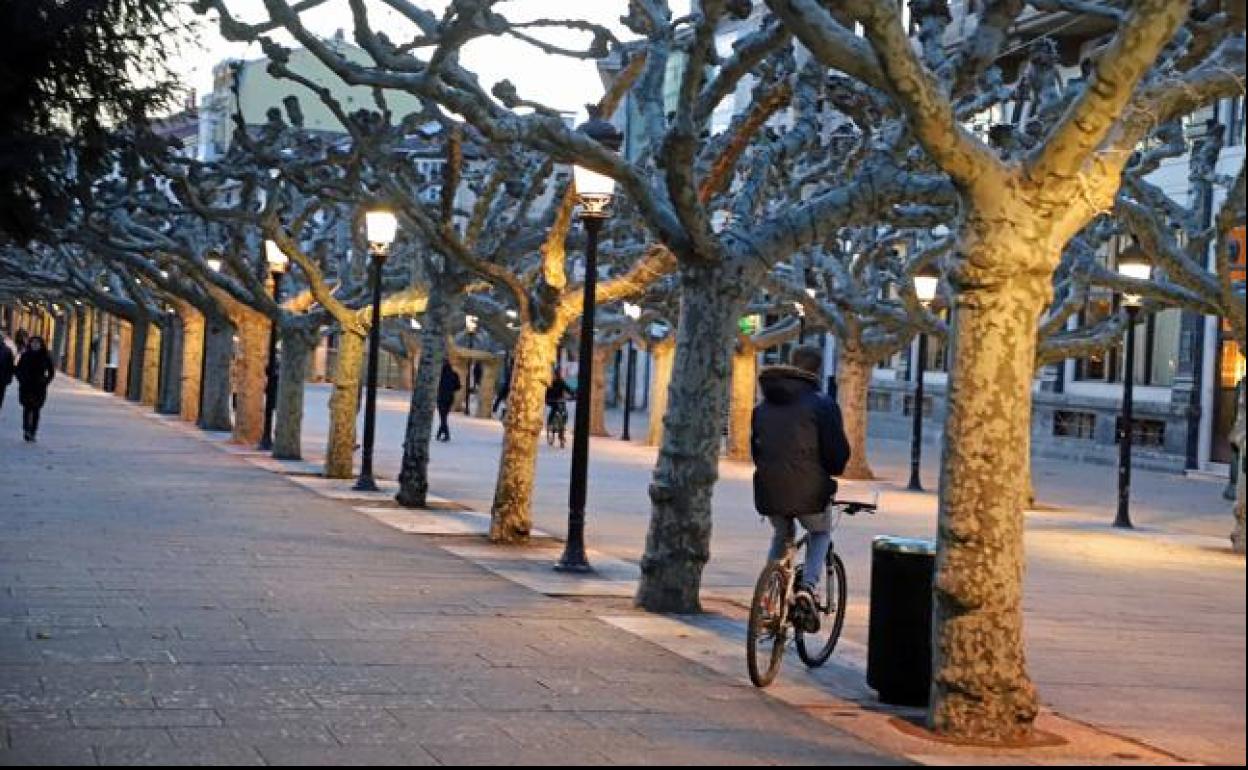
{"x":786,"y":384}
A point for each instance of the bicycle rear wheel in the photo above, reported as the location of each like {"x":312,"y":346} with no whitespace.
{"x":764,"y":636}
{"x":815,"y":649}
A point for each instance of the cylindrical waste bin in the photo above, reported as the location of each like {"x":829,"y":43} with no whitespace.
{"x":899,"y":634}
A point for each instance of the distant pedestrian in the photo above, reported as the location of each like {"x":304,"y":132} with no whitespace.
{"x":34,"y":372}
{"x":8,"y":365}
{"x":448,"y":386}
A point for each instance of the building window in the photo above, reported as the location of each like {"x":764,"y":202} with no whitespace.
{"x":1145,"y":433}
{"x":1074,"y":424}
{"x":879,"y":401}
{"x":1156,"y":346}
{"x":907,"y":407}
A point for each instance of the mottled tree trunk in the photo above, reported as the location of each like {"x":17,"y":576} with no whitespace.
{"x":980,"y":686}
{"x":85,"y":324}
{"x":104,"y":325}
{"x":662,"y":354}
{"x":125,"y":340}
{"x":171,"y":379}
{"x":487,"y":388}
{"x":192,"y":361}
{"x":853,"y":382}
{"x":414,"y":472}
{"x":150,"y":393}
{"x":252,"y":361}
{"x":511,"y":515}
{"x":344,"y":406}
{"x":75,"y":344}
{"x":679,"y":537}
{"x":139,"y":333}
{"x":214,"y":411}
{"x":1237,"y":535}
{"x":298,"y":343}
{"x":741,"y":409}
{"x":598,"y":394}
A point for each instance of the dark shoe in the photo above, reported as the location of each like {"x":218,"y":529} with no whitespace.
{"x":29,"y":436}
{"x":806,"y":610}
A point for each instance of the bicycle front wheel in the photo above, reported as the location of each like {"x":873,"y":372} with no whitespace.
{"x":764,"y":636}
{"x":815,"y":649}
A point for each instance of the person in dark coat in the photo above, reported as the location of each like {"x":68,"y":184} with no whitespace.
{"x":19,"y":340}
{"x":7,"y":367}
{"x":34,"y":372}
{"x":798,"y":445}
{"x":448,"y":386}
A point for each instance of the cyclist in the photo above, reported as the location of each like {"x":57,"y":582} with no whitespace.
{"x":557,"y":394}
{"x":798,"y":445}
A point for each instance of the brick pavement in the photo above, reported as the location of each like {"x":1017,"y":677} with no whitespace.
{"x":164,"y":603}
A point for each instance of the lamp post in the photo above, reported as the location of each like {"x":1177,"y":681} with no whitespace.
{"x":633,"y":312}
{"x":594,"y":192}
{"x":277,"y":268}
{"x":381,"y":226}
{"x":1131,"y":264}
{"x":470,"y":326}
{"x":925,"y":282}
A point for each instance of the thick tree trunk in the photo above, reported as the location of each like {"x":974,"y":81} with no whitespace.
{"x":344,"y":406}
{"x":662,"y":354}
{"x":679,"y":537}
{"x":125,"y":339}
{"x":216,"y":386}
{"x":85,"y":324}
{"x":741,"y":409}
{"x":171,"y":379}
{"x":58,"y":343}
{"x":75,"y":344}
{"x":150,"y":393}
{"x":487,"y":388}
{"x":414,"y":472}
{"x":511,"y":515}
{"x":252,"y":360}
{"x":297,"y":345}
{"x":104,"y":325}
{"x":853,"y":381}
{"x":1237,"y":535}
{"x":598,"y":395}
{"x":980,"y":686}
{"x":192,"y":361}
{"x":139,"y":332}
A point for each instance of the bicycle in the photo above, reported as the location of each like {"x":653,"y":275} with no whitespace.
{"x":771,"y":610}
{"x":556,"y":424}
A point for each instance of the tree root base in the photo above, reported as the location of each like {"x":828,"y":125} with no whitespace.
{"x":1035,"y":739}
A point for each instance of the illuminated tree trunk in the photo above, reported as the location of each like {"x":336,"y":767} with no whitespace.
{"x":171,"y":365}
{"x":125,"y":338}
{"x":252,"y":360}
{"x":138,"y":357}
{"x":662,"y":353}
{"x":980,"y":685}
{"x":84,"y":344}
{"x":344,"y":405}
{"x":216,"y":385}
{"x":487,"y":388}
{"x":741,"y":409}
{"x":101,"y":362}
{"x":150,"y":392}
{"x":598,"y":395}
{"x":74,"y":339}
{"x":192,"y":361}
{"x":414,"y":471}
{"x":297,"y":345}
{"x":679,"y":536}
{"x":853,"y":382}
{"x":511,"y":516}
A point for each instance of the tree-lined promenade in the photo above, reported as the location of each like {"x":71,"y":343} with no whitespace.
{"x":875,"y":181}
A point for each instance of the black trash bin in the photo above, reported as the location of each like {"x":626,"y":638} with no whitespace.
{"x":110,"y":378}
{"x":899,"y":634}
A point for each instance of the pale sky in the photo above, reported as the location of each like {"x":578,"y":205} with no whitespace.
{"x":559,"y":82}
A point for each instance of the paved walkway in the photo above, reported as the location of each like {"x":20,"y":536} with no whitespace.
{"x":1141,"y":632}
{"x":161,"y":602}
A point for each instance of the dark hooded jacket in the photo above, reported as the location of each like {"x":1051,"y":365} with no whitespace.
{"x":797,"y":442}
{"x":448,"y":386}
{"x":34,"y":372}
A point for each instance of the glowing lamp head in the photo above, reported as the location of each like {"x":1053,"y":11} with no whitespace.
{"x":381,"y":226}
{"x":925,"y":282}
{"x":214,"y":264}
{"x":595,"y":191}
{"x":276,"y":258}
{"x":632,"y":311}
{"x":1134,"y":263}
{"x":470,"y":323}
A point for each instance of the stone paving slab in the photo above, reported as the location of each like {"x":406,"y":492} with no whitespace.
{"x":341,"y":489}
{"x":444,"y":522}
{"x":533,"y":568}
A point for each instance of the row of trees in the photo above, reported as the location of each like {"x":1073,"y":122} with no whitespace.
{"x":847,"y":170}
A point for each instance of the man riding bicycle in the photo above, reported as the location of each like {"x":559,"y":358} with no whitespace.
{"x":557,"y":394}
{"x":798,"y":445}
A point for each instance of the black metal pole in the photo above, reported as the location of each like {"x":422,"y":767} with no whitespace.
{"x":573,"y":559}
{"x":801,"y":330}
{"x":366,"y":483}
{"x":270,"y":382}
{"x":916,"y":433}
{"x":1125,"y":430}
{"x":630,"y":368}
{"x":468,"y":380}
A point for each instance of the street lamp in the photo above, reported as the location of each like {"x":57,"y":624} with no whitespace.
{"x":1132,"y":263}
{"x":595,"y":192}
{"x":926,"y":279}
{"x":633,"y":312}
{"x":277,"y":261}
{"x":214,"y":264}
{"x":470,"y":326}
{"x":381,"y":227}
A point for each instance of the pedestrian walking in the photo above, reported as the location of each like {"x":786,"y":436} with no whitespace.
{"x":448,"y":386}
{"x":34,"y":372}
{"x":798,"y":445}
{"x":504,"y":390}
{"x":8,"y":365}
